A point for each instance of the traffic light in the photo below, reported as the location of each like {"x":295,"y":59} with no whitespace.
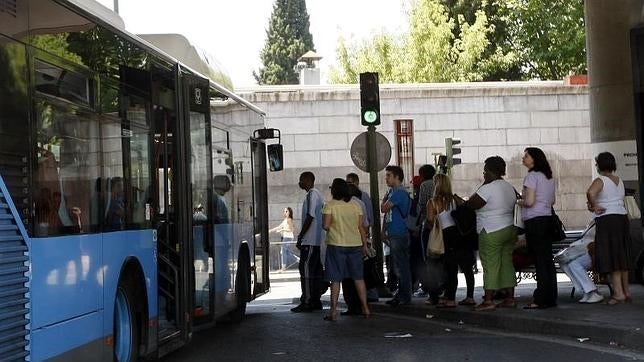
{"x":450,"y":151}
{"x":369,"y":99}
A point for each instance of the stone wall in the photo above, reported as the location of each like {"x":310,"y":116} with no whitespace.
{"x":319,"y":123}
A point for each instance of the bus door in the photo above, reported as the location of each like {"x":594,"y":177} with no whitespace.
{"x":260,"y":217}
{"x":197,"y":113}
{"x":165,"y":204}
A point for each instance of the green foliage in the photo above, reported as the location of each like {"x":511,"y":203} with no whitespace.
{"x":473,"y":40}
{"x":550,"y":36}
{"x":430,"y":52}
{"x":55,"y":44}
{"x":287,"y":38}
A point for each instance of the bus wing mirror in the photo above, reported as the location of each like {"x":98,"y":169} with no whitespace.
{"x":275,"y":157}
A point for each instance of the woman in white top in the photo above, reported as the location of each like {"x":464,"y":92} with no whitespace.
{"x":439,"y":210}
{"x":287,"y":229}
{"x":612,"y":240}
{"x":494,"y":204}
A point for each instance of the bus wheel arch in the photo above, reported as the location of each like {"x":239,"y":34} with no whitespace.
{"x":130,"y":312}
{"x":242,"y":283}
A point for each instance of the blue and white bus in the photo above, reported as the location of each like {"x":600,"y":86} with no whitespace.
{"x":133,"y":202}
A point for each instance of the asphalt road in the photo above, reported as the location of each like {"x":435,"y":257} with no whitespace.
{"x":271,"y":332}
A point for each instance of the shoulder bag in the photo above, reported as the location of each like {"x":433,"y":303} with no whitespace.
{"x":436,"y":246}
{"x":632,"y":210}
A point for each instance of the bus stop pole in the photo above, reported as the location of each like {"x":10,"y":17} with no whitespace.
{"x":375,"y":197}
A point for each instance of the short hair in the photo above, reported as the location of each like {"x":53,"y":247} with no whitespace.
{"x":397,"y":171}
{"x":354,"y":190}
{"x":540,"y":161}
{"x":427,"y":172}
{"x":496,"y":165}
{"x":340,"y":190}
{"x":353,"y":177}
{"x":308,"y":175}
{"x":606,"y":162}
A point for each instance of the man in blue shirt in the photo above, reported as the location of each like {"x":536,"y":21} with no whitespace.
{"x":308,"y":242}
{"x":395,"y":205}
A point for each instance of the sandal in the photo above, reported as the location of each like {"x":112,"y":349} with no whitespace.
{"x":467,"y":301}
{"x":507,"y":304}
{"x":485,"y":306}
{"x":615,"y":301}
{"x":330,"y":318}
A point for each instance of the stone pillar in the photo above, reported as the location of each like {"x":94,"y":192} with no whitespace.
{"x":612,"y":119}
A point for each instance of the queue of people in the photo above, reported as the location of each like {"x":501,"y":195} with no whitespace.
{"x":448,"y":230}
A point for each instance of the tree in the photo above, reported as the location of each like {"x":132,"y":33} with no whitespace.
{"x":499,"y":61}
{"x":430,"y":52}
{"x":287,"y":38}
{"x":550,"y":36}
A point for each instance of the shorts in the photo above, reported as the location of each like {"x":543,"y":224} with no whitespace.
{"x":343,"y":262}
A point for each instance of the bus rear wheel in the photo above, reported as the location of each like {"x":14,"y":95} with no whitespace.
{"x":126,"y":332}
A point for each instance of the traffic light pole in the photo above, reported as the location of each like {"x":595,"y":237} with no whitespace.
{"x":375,"y":197}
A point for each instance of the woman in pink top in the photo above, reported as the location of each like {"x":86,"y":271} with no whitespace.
{"x":537,"y":201}
{"x":612,"y":238}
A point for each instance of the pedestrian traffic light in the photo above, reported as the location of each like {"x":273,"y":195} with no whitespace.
{"x":450,"y":151}
{"x":369,"y":99}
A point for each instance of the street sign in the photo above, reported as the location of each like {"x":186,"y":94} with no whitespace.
{"x":359,"y":152}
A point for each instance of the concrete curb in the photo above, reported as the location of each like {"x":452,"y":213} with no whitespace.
{"x":527,"y":322}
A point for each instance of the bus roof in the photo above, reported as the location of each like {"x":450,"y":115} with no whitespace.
{"x":110,"y":20}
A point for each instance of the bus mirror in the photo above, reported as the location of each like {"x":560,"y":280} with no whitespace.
{"x":275,"y":157}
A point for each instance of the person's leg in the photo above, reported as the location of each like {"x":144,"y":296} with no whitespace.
{"x":625,"y":285}
{"x":362,"y":294}
{"x":579,"y":270}
{"x":351,"y":297}
{"x":335,"y":293}
{"x":539,"y":245}
{"x":618,"y":287}
{"x":507,"y":275}
{"x":283,"y":256}
{"x":466,"y":264}
{"x":304,"y":252}
{"x":400,"y":253}
{"x":451,"y":277}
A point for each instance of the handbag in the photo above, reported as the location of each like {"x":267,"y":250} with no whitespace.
{"x":632,"y":210}
{"x":522,"y":258}
{"x":558,"y":229}
{"x":373,"y":276}
{"x":518,"y":215}
{"x":436,"y":246}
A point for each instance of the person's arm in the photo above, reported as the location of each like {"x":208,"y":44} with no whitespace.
{"x":363,"y":235}
{"x":476,"y":202}
{"x":328,"y":219}
{"x":528,"y":198}
{"x":305,"y":228}
{"x":278,"y":228}
{"x":591,"y":196}
{"x":387,"y":202}
{"x":431,"y":212}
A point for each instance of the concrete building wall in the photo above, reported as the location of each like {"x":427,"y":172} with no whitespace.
{"x":318,"y":125}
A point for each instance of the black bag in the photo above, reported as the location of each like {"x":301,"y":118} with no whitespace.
{"x":373,"y":275}
{"x":435,"y":277}
{"x":558,"y":229}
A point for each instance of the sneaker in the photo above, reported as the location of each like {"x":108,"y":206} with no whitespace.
{"x":302,"y":308}
{"x":594,"y":298}
{"x":584,"y":299}
{"x":420,"y":294}
{"x":393,"y":301}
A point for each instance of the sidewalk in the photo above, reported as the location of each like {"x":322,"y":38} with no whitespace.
{"x":621,"y":324}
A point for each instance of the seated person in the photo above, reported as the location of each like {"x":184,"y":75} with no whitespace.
{"x":577,"y":265}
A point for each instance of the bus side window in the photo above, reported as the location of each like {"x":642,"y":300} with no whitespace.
{"x":66,"y":169}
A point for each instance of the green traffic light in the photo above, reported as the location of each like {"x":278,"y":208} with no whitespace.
{"x":370,"y":116}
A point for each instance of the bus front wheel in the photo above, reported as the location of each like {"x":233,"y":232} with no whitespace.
{"x":125,"y":326}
